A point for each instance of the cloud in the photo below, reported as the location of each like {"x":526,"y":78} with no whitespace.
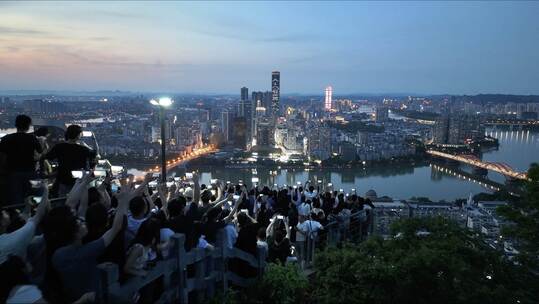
{"x":21,"y":31}
{"x":297,"y":37}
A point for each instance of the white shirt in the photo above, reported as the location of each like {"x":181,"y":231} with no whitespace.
{"x":310,"y":195}
{"x":231,"y":235}
{"x":307,"y":227}
{"x":15,"y":243}
{"x":304,"y":209}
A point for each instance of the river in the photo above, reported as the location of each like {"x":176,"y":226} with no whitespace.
{"x":517,"y":148}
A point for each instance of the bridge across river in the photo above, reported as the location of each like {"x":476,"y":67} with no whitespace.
{"x":501,"y":168}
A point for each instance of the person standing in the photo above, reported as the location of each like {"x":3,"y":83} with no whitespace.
{"x":72,"y":155}
{"x":20,"y":149}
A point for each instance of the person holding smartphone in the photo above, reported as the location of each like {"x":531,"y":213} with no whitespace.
{"x":19,"y":150}
{"x":72,"y":155}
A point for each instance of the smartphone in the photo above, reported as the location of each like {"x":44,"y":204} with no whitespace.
{"x":87,"y":133}
{"x":189,"y":175}
{"x":275,"y":185}
{"x":213,"y":192}
{"x":36,"y":199}
{"x":319,"y":181}
{"x":330,"y":184}
{"x":280,"y":217}
{"x":244,"y":210}
{"x":114,"y":187}
{"x":235,"y":197}
{"x":298,"y":183}
{"x":36,"y":183}
{"x":100,"y":173}
{"x":136,"y":186}
{"x":341,"y":190}
{"x":254,"y":179}
{"x":76,"y":174}
{"x":353,"y":189}
{"x":213,"y":181}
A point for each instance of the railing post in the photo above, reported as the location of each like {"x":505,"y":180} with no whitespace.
{"x":222,"y":265}
{"x":200,"y":272}
{"x":110,"y":275}
{"x":179,"y":251}
{"x":261,"y":256}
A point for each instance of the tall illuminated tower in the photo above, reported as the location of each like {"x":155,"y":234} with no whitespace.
{"x":329,"y":94}
{"x":275,"y":93}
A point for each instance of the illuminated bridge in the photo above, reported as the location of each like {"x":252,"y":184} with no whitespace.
{"x":501,"y":168}
{"x":511,"y":122}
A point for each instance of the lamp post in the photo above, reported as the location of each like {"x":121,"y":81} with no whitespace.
{"x":162,"y":103}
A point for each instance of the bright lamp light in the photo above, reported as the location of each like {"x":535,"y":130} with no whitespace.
{"x":165,"y":101}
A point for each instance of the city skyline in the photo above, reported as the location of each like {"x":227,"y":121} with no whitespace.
{"x":422,"y":48}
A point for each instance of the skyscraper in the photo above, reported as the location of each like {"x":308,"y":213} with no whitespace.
{"x":225,"y":125}
{"x":275,"y":93}
{"x":244,"y":93}
{"x":329,"y":94}
{"x":382,"y":114}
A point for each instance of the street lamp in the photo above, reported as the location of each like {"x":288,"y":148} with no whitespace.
{"x":162,"y":103}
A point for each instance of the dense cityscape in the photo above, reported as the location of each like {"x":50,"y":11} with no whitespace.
{"x":264,"y":195}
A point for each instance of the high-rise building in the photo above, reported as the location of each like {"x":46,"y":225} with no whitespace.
{"x":226,"y":120}
{"x":329,"y":96}
{"x":382,"y":114}
{"x":275,"y":93}
{"x":441,"y":130}
{"x":318,"y":141}
{"x":457,"y":130}
{"x":244,"y":93}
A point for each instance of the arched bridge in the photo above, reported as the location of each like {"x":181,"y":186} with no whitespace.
{"x":501,"y":168}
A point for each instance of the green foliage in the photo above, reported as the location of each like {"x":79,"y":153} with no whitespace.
{"x":525,"y":216}
{"x":496,"y":196}
{"x":356,"y":126}
{"x":446,"y":265}
{"x":282,"y":284}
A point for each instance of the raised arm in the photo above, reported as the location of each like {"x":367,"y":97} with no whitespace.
{"x":124,"y":197}
{"x":75,"y":195}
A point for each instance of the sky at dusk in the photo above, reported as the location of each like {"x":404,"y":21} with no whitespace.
{"x":218,"y":47}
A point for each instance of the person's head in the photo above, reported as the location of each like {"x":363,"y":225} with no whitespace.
{"x":13,"y":272}
{"x":189,"y":194}
{"x":96,"y":218}
{"x":175,"y":207}
{"x":138,"y":207}
{"x":5,"y":220}
{"x":23,"y":123}
{"x":261,"y":234}
{"x":73,"y":132}
{"x":94,"y":196}
{"x":205,"y":196}
{"x":279,"y":236}
{"x":16,"y":220}
{"x":243,"y":219}
{"x":316,"y":204}
{"x":42,"y":132}
{"x":148,"y":233}
{"x":311,"y":188}
{"x":61,"y":227}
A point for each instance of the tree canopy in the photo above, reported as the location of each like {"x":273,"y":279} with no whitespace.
{"x":524,"y":215}
{"x":430,"y":260}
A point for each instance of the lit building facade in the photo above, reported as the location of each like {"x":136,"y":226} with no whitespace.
{"x":328,"y":98}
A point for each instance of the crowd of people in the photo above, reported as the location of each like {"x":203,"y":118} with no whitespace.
{"x":50,"y":247}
